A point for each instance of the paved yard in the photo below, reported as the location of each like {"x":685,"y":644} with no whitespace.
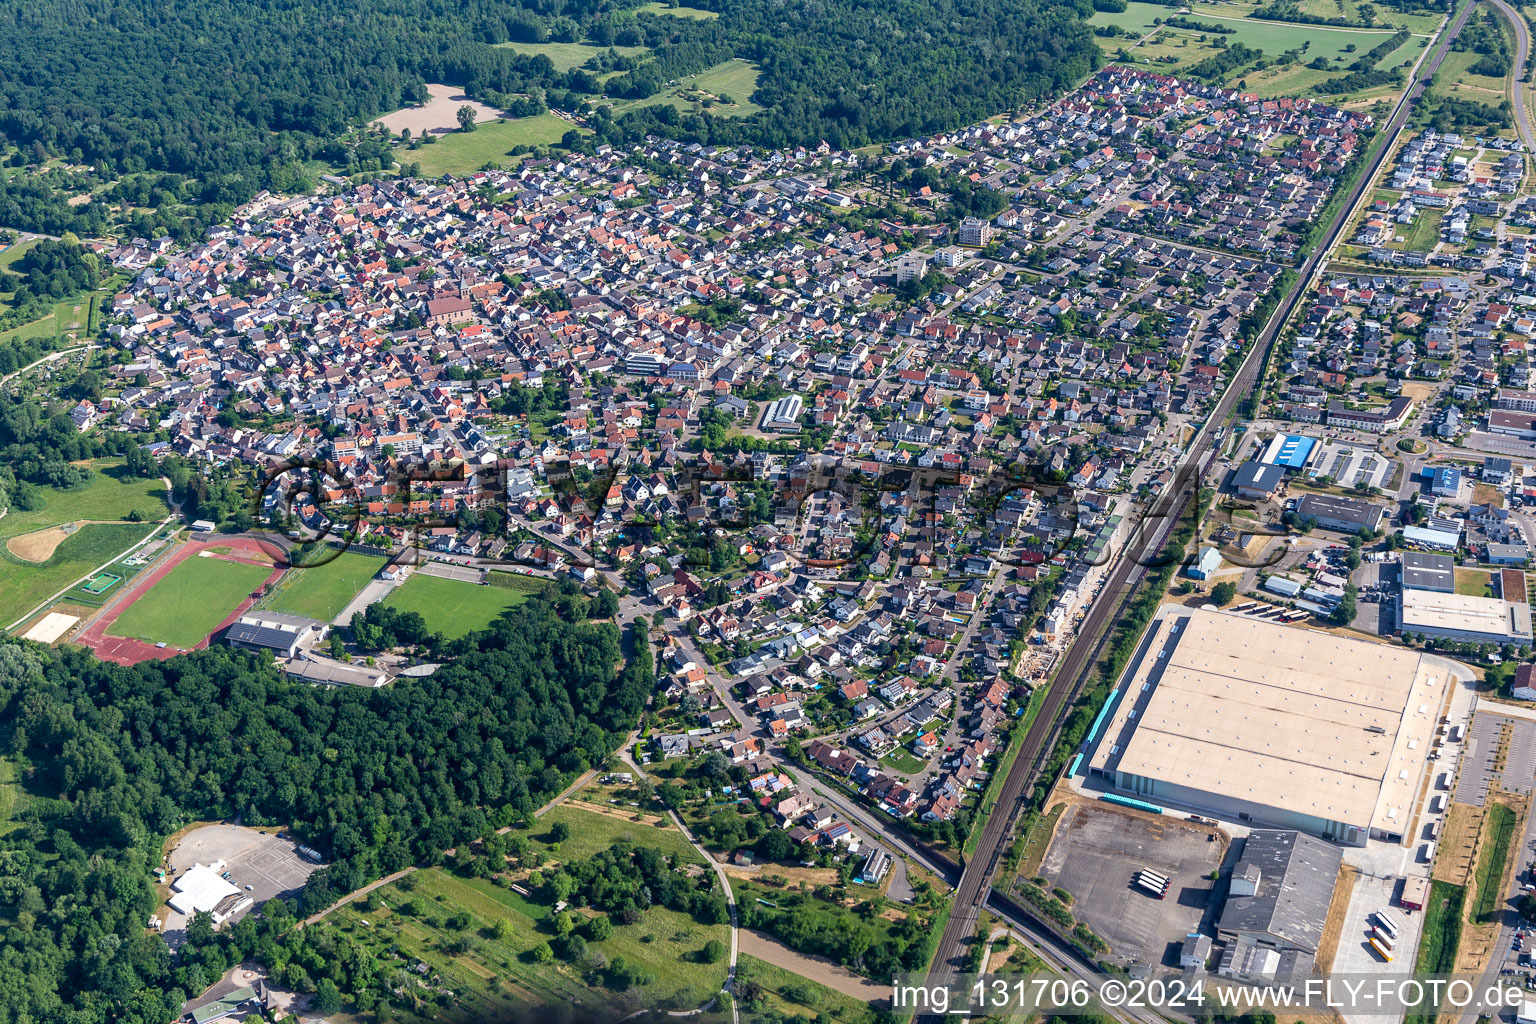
{"x":1355,"y":956}
{"x":253,"y":857}
{"x":1095,"y":855}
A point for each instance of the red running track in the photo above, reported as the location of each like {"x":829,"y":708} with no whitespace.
{"x":123,"y":650}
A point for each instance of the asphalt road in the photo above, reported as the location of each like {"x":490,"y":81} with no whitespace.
{"x":975,"y":884}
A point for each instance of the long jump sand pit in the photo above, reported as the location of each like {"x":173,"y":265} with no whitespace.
{"x":50,"y":627}
{"x":439,"y":115}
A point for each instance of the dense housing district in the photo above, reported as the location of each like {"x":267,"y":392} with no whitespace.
{"x":853,"y":480}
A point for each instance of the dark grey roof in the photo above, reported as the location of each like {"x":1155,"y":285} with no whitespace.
{"x":261,"y":636}
{"x":1297,"y":874}
{"x":1348,"y":510}
{"x":1423,"y":570}
{"x":1258,"y":476}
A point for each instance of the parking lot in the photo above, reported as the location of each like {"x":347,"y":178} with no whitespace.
{"x":1520,"y":763}
{"x":257,"y":861}
{"x":1477,"y":762}
{"x":1095,"y":855}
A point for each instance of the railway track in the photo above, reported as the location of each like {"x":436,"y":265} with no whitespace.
{"x":974,"y":888}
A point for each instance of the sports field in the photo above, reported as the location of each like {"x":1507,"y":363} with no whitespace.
{"x":322,"y":591}
{"x":190,"y":602}
{"x":108,"y":495}
{"x":452,"y":607}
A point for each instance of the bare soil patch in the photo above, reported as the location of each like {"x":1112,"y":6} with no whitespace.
{"x":627,"y":814}
{"x":1458,"y":844}
{"x":1334,"y":923}
{"x":814,"y":968}
{"x":37,"y":546}
{"x":439,"y":115}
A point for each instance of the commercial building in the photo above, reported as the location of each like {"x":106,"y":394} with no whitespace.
{"x":1280,"y":891}
{"x":1463,"y":617}
{"x":1512,"y":424}
{"x":1423,"y":570}
{"x":1289,"y":451}
{"x":278,"y":632}
{"x":1252,"y":720}
{"x":1347,"y":515}
{"x":204,"y":889}
{"x":1444,"y":481}
{"x":1415,"y":892}
{"x":1432,"y":537}
{"x":1257,"y":480}
{"x":784,"y":414}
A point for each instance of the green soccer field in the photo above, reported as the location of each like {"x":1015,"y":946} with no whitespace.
{"x":322,"y":591}
{"x":189,"y":602}
{"x":452,"y":607}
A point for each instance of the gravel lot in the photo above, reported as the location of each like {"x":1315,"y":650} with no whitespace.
{"x":1095,"y":855}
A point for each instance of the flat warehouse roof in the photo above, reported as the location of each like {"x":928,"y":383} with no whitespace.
{"x":1299,"y":720}
{"x":1462,"y":612}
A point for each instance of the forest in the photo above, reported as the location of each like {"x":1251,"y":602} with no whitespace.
{"x":210,"y":103}
{"x":114,"y":759}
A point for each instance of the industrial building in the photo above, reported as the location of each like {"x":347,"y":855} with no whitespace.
{"x":1279,"y":894}
{"x":1464,"y":617}
{"x":1257,"y":480}
{"x":278,"y":632}
{"x":1424,"y":570}
{"x":1289,"y":451}
{"x":1252,"y":720}
{"x":1346,"y":515}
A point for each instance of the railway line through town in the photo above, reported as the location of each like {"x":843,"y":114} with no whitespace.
{"x":1139,"y":555}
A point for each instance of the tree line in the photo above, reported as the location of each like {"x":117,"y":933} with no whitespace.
{"x":113,"y":759}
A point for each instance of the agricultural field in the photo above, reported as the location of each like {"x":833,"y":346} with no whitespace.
{"x":322,"y":591}
{"x":1422,"y":22}
{"x":1172,"y":48}
{"x":565,"y":56}
{"x":452,"y":607}
{"x":677,"y":11}
{"x":190,"y":601}
{"x":734,"y":78}
{"x":108,"y":497}
{"x":490,"y":143}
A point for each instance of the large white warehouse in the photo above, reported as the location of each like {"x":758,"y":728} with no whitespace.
{"x":1256,"y":721}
